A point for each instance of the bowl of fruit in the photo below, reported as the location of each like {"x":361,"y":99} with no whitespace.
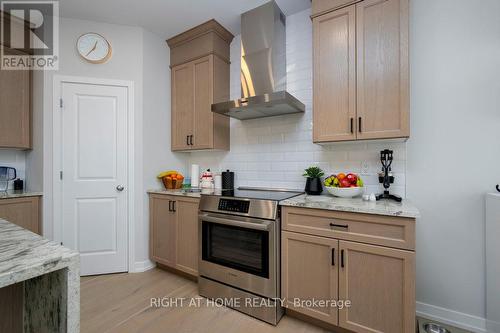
{"x":171,"y":179}
{"x":344,"y":185}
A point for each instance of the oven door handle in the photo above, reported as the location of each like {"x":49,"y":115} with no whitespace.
{"x":261,"y":225}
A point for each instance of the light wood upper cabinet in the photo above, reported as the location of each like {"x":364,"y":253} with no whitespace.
{"x":335,"y":76}
{"x":200,"y":77}
{"x":382,"y":73}
{"x":174,"y":232}
{"x":183,"y":104}
{"x":24,"y":212}
{"x":310,"y":271}
{"x":379,"y":282}
{"x":15,"y":108}
{"x":361,"y":71}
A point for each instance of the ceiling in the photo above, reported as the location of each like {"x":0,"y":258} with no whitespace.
{"x":170,"y":17}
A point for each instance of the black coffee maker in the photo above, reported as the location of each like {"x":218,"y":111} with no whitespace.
{"x":386,"y":177}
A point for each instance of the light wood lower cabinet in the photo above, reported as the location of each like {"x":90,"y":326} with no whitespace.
{"x":310,"y":272}
{"x":174,"y":232}
{"x":378,"y":281}
{"x":24,"y":211}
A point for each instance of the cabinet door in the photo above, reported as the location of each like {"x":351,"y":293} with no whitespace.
{"x":380,"y":283}
{"x":187,"y":235}
{"x":15,"y":108}
{"x":162,"y":230}
{"x":382,"y":69}
{"x":335,"y":76}
{"x":182,"y":106}
{"x":24,"y":212}
{"x":310,"y":272}
{"x":203,"y":96}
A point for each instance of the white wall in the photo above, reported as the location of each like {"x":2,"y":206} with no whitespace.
{"x":273,"y":152}
{"x":142,"y":58}
{"x":454,"y":150}
{"x":157,"y":155}
{"x":445,"y":168}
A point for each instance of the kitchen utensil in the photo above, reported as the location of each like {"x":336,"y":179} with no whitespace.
{"x":228,"y":180}
{"x":6,"y":174}
{"x":18,"y":185}
{"x":386,"y":177}
{"x":435,"y":328}
{"x":207,"y":180}
{"x":195,"y":175}
{"x":218,"y":181}
{"x":345,"y":192}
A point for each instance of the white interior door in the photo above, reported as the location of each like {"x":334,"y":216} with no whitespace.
{"x":94,"y":182}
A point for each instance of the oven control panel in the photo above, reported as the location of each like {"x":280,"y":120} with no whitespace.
{"x":237,"y":206}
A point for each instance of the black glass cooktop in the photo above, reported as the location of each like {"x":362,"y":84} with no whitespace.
{"x":257,"y":194}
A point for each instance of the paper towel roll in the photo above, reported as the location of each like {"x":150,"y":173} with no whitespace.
{"x":195,"y":175}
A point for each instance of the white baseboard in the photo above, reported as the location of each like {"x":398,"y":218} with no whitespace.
{"x":142,"y":266}
{"x":451,"y":317}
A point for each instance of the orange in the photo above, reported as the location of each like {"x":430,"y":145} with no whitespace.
{"x":341,"y":176}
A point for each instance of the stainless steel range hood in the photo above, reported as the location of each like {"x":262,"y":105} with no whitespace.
{"x":263,"y":67}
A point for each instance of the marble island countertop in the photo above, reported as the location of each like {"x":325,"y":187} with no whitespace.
{"x":10,"y":194}
{"x":353,"y":205}
{"x":24,"y":255}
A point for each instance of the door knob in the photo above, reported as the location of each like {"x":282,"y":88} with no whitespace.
{"x":120,"y":188}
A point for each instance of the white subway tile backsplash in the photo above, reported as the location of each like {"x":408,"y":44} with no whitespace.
{"x":273,"y":152}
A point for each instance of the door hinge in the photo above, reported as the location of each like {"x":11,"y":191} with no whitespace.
{"x":61,"y":103}
{"x":60,"y":175}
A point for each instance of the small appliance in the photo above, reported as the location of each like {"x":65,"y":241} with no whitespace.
{"x":6,"y":174}
{"x":386,"y":177}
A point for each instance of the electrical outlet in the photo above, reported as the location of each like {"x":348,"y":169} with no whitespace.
{"x":365,"y":167}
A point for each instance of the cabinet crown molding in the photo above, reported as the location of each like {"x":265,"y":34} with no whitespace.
{"x":209,"y":26}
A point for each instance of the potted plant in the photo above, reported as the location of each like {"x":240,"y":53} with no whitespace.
{"x":313,"y":182}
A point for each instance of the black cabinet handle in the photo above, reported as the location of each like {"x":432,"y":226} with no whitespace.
{"x":173,"y":206}
{"x":359,"y":125}
{"x":191,"y":139}
{"x":333,"y":256}
{"x":187,"y":140}
{"x":344,"y":226}
{"x":352,"y":125}
{"x":342,"y":258}
{"x":169,"y":205}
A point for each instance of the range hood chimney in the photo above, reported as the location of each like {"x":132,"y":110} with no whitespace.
{"x":263,"y":67}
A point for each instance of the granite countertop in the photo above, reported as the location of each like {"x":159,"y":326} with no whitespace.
{"x":354,"y":205}
{"x":25,"y":255}
{"x":19,"y":194}
{"x":179,"y":192}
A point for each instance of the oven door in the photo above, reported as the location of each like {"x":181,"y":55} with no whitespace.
{"x":239,"y":251}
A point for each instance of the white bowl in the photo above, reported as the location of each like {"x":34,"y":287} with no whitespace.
{"x":345,"y":192}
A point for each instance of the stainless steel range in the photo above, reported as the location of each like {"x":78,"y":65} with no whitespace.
{"x":239,"y":259}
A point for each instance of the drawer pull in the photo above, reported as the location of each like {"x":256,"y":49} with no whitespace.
{"x":343,"y":226}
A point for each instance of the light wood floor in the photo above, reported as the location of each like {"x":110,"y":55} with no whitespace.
{"x":121,"y":303}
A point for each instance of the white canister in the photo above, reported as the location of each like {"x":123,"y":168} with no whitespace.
{"x":218,"y":181}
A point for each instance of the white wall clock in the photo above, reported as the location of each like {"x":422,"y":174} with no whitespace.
{"x":94,"y":48}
